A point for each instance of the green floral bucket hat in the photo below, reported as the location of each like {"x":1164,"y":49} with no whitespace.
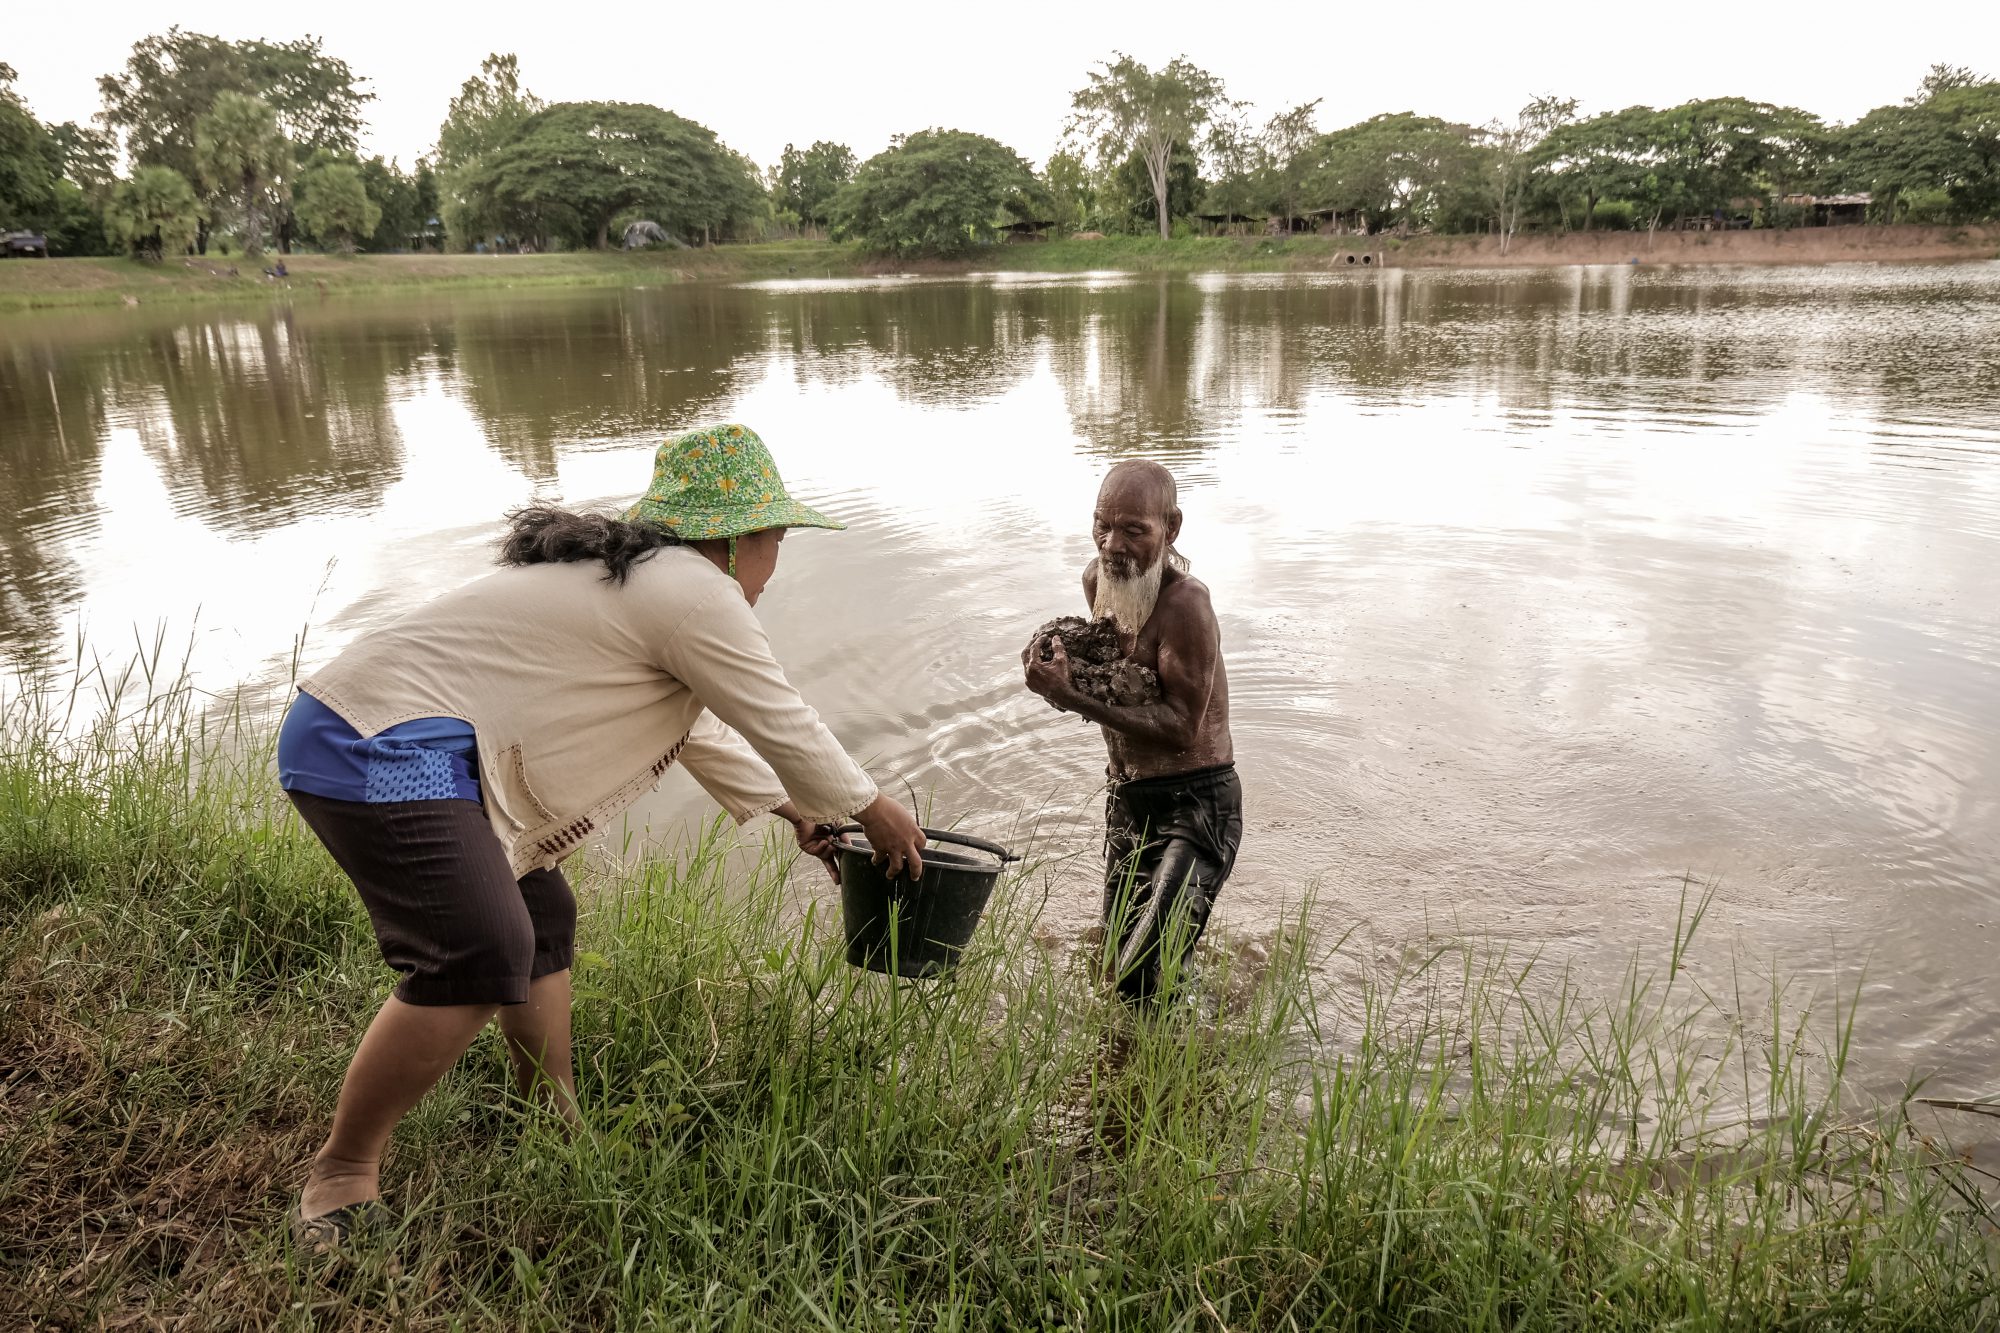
{"x":720,"y":482}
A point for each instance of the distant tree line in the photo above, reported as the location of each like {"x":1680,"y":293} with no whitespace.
{"x":252,"y":145}
{"x":1934,"y":157}
{"x":1168,"y":151}
{"x":244,"y":145}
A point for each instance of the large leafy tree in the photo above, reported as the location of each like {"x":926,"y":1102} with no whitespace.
{"x":808,"y":179}
{"x":241,"y":155}
{"x":30,"y":159}
{"x":1130,"y":205}
{"x":89,"y":172}
{"x":317,"y":98}
{"x":74,"y":222}
{"x":1653,"y":161}
{"x":89,"y":157}
{"x":54,"y":179}
{"x":424,"y":181}
{"x":1515,"y":148}
{"x":1657,"y":177}
{"x":1937,"y":155}
{"x":568,"y":170}
{"x":1727,"y":148}
{"x":742,"y":206}
{"x":155,"y":213}
{"x":1289,"y":144}
{"x":333,"y":204}
{"x":407,"y":201}
{"x":488,"y":111}
{"x":1239,"y":177}
{"x":937,"y":192}
{"x":1943,"y":78}
{"x":171,"y":80}
{"x":1585,"y":162}
{"x":1971,"y":117}
{"x":1401,"y":170}
{"x":1793,"y":149}
{"x":1127,"y":108}
{"x":1685,"y":160}
{"x":1071,"y":188}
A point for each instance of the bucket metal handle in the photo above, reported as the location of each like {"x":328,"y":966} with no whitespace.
{"x":944,"y":835}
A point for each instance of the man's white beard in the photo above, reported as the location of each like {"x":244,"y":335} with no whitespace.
{"x":1129,"y":601}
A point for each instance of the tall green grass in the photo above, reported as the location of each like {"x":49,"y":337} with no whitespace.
{"x":774,"y":1140}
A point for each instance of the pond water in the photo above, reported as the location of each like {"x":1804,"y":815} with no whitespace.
{"x":1540,"y":590}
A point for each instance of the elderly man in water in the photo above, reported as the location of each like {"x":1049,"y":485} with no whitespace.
{"x":1174,"y":812}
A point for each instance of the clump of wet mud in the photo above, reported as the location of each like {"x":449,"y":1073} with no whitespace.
{"x":1097,"y":667}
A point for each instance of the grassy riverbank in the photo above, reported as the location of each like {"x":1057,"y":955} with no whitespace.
{"x":776,"y":1141}
{"x":54,"y":283}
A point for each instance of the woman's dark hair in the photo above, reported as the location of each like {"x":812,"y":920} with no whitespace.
{"x":541,"y":535}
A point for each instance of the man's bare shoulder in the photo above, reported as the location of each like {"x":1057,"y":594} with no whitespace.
{"x":1186,"y":602}
{"x":1090,"y":580}
{"x":1188,"y":594}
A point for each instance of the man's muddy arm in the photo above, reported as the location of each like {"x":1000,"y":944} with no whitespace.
{"x":1189,"y":652}
{"x":1164,"y":724}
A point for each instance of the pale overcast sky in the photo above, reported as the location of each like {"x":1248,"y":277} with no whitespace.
{"x":762,"y":75}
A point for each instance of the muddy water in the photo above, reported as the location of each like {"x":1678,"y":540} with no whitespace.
{"x":1540,"y":590}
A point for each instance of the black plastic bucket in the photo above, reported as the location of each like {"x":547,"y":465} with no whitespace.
{"x":914,"y":929}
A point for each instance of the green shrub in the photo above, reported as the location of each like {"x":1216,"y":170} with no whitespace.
{"x":1925,"y":206}
{"x":1613,"y":215}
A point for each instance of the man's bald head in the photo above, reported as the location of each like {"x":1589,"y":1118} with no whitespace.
{"x":1138,"y":517}
{"x":1142,"y":485}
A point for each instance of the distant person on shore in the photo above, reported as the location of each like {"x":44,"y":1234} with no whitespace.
{"x":450,"y":761}
{"x":1173,"y":814}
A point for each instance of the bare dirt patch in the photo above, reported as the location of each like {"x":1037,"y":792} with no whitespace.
{"x":1802,"y":245}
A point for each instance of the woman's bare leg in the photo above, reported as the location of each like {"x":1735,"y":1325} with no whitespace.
{"x":406,"y":1050}
{"x":538,"y":1043}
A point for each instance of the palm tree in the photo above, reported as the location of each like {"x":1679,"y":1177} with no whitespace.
{"x":155,"y":212}
{"x":241,"y":153}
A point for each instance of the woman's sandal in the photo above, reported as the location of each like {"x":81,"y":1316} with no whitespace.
{"x":333,"y":1231}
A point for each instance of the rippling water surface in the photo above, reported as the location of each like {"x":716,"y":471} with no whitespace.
{"x":1540,"y":590}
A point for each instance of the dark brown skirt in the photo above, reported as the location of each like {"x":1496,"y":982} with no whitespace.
{"x":447,"y":910}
